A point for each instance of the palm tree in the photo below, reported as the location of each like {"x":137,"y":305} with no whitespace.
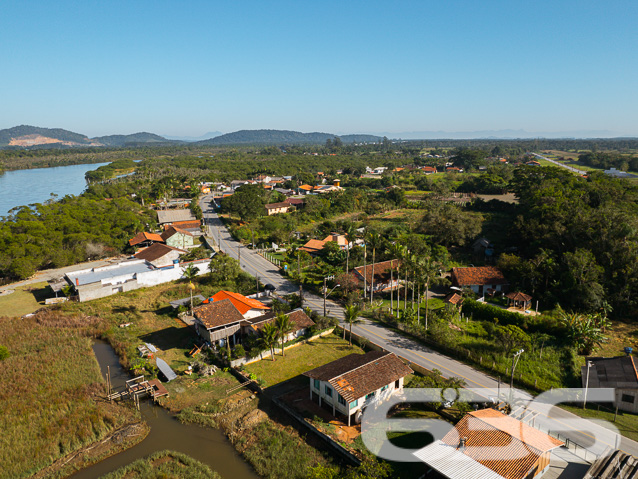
{"x":394,"y":250}
{"x":349,"y":232}
{"x":284,"y":326}
{"x":269,"y":338}
{"x":350,"y":317}
{"x":374,"y":239}
{"x":189,"y":273}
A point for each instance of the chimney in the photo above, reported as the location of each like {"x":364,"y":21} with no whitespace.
{"x":462,"y":442}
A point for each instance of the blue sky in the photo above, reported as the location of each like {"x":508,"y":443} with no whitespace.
{"x":186,"y":68}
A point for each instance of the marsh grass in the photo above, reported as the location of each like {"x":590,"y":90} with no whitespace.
{"x":51,"y":392}
{"x":164,"y":464}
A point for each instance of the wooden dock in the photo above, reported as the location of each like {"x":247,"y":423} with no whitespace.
{"x":137,"y":388}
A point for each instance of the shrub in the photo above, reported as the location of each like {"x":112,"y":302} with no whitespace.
{"x":4,"y":353}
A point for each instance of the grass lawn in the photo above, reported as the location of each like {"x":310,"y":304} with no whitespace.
{"x":301,"y":359}
{"x":188,"y":392}
{"x":433,"y":304}
{"x":626,"y":423}
{"x":164,"y":464}
{"x":51,"y":392}
{"x":25,"y":299}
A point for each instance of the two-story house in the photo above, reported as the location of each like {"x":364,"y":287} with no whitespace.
{"x":353,"y":382}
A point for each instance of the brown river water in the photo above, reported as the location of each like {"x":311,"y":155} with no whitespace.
{"x":207,"y":445}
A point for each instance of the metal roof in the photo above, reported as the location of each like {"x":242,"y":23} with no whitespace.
{"x":166,"y":369}
{"x":96,"y":275}
{"x":171,"y":216}
{"x":453,"y":464}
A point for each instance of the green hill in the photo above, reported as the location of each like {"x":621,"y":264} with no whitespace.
{"x":142,"y":138}
{"x":281,"y":137}
{"x":9,"y":134}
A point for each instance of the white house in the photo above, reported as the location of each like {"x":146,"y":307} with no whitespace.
{"x":353,"y":382}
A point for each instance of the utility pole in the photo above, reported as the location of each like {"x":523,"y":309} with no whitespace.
{"x":300,"y":280}
{"x":239,"y":254}
{"x":515,"y":358}
{"x":589,"y":365}
{"x":325,"y":295}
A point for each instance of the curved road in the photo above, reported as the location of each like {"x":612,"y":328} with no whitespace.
{"x":541,"y":416}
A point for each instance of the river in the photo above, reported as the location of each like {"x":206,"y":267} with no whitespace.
{"x":25,"y":187}
{"x":207,"y":445}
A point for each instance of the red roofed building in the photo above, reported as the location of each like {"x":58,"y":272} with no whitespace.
{"x":145,"y":239}
{"x":383,"y":278}
{"x":481,"y":280}
{"x":353,"y":382}
{"x":487,"y":444}
{"x":247,"y":307}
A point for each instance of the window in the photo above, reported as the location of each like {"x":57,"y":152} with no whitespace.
{"x":354,"y":403}
{"x":341,"y":400}
{"x":371,"y":395}
{"x":397,"y":384}
{"x":328,"y":391}
{"x":627,"y":398}
{"x":317,"y":385}
{"x":384,"y":388}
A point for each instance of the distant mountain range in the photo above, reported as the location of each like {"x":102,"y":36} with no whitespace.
{"x":206,"y":136}
{"x":25,"y":136}
{"x":282,"y":137}
{"x":499,"y":134}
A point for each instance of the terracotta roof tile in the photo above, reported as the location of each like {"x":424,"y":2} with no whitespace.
{"x":274,"y":206}
{"x":357,"y":375}
{"x":172,"y":230}
{"x":156,"y":251}
{"x":313,"y":246}
{"x":481,"y":275}
{"x":219,"y":313}
{"x":501,"y":443}
{"x":381,"y":271}
{"x":241,"y":302}
{"x":144,"y":236}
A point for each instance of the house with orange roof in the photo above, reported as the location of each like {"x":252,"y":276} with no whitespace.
{"x":178,"y":238}
{"x":160,"y":255}
{"x":488,"y":444}
{"x":247,"y":307}
{"x":144,"y":239}
{"x":429,"y":170}
{"x":313,"y":246}
{"x":357,"y":381}
{"x":481,"y":279}
{"x":306,"y":189}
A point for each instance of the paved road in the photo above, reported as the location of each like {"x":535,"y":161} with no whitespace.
{"x":562,"y":165}
{"x":540,"y":415}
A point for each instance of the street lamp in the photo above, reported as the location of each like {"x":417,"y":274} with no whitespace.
{"x":589,"y":365}
{"x":326,"y":293}
{"x":515,"y":358}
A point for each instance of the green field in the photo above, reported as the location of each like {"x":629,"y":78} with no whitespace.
{"x":301,"y":359}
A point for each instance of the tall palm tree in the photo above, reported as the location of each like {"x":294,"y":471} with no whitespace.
{"x":350,"y":233}
{"x":284,"y":326}
{"x":189,"y":273}
{"x":395,"y":251}
{"x":269,"y":338}
{"x":374,"y":239}
{"x":350,"y":317}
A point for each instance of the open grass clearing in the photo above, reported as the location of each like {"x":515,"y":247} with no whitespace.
{"x":25,"y":299}
{"x":302,"y":358}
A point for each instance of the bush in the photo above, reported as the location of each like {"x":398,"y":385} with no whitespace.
{"x":4,"y":353}
{"x":239,"y":352}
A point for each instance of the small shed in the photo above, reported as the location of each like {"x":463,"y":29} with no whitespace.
{"x":519,"y":300}
{"x":165,"y":369}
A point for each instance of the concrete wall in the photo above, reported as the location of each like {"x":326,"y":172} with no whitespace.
{"x":122,"y":283}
